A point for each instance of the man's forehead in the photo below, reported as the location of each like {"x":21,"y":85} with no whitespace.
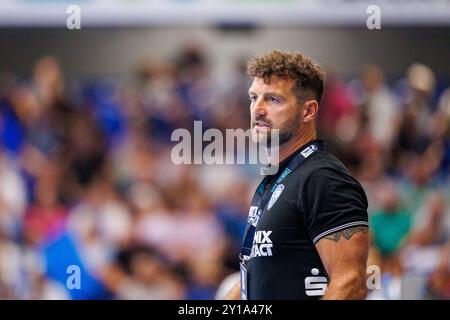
{"x":280,"y":84}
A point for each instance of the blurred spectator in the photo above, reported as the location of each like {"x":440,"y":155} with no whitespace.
{"x":439,"y":284}
{"x":414,"y":129}
{"x":431,"y":231}
{"x":141,"y":273}
{"x":337,"y":110}
{"x":380,"y":106}
{"x":10,"y":256}
{"x":101,"y":224}
{"x":45,"y":218}
{"x":390,"y":223}
{"x":12,"y":195}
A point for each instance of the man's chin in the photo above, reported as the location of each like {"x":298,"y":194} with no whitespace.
{"x":261,"y":138}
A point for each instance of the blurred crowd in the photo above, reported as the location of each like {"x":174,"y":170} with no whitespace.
{"x":86,"y":179}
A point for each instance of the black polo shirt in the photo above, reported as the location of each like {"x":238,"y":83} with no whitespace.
{"x":317,"y":198}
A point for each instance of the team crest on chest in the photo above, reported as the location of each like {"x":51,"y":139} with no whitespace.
{"x":276,"y":194}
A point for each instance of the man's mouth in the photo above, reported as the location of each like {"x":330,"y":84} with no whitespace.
{"x":261,"y":125}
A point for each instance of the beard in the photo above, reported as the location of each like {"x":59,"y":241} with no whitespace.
{"x":286,"y":132}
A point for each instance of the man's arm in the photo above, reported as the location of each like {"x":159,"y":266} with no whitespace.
{"x":235,"y":292}
{"x":344,"y":255}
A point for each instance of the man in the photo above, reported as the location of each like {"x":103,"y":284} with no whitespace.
{"x":307,"y":231}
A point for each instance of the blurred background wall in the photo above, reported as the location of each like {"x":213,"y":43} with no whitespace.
{"x":116,"y":51}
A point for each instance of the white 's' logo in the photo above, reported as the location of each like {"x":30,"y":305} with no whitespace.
{"x":315,"y":286}
{"x":276,"y":194}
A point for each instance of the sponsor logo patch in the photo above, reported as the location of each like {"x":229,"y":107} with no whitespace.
{"x":276,"y":194}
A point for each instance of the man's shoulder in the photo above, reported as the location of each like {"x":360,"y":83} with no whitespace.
{"x":322,"y":162}
{"x":325,"y":172}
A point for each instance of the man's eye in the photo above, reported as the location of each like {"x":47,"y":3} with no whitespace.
{"x":274,"y":99}
{"x":252,"y":98}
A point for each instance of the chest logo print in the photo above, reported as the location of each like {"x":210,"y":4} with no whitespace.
{"x":276,"y":194}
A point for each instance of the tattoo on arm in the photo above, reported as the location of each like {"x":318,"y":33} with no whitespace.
{"x":346,"y":233}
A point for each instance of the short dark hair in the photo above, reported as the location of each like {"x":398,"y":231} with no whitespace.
{"x":308,"y":76}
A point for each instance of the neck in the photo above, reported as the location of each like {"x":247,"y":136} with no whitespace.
{"x":291,"y":146}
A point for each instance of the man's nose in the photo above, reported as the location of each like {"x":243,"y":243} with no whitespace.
{"x":260,"y":107}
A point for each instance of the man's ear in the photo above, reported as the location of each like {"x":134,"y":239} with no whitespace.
{"x":310,"y":109}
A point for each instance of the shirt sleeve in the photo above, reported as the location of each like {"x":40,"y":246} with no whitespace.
{"x":333,"y":200}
